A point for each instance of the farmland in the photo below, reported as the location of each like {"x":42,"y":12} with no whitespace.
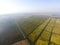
{"x":33,"y":30}
{"x":41,"y":30}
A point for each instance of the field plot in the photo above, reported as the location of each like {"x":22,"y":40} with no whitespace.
{"x":55,"y":38}
{"x":41,"y":30}
{"x":31,"y":23}
{"x":45,"y":36}
{"x":51,"y":34}
{"x":37,"y":31}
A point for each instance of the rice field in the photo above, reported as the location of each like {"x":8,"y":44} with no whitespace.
{"x":34,"y":30}
{"x":41,"y":30}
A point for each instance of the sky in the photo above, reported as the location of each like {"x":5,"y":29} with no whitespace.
{"x":25,"y":6}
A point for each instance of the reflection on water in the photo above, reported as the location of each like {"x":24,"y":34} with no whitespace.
{"x":8,"y":31}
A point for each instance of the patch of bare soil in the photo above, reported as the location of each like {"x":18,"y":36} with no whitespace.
{"x":23,"y":42}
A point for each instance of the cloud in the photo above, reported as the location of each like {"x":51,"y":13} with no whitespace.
{"x":15,"y":6}
{"x":6,"y":7}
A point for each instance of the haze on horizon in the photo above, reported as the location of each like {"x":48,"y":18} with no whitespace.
{"x":26,"y":6}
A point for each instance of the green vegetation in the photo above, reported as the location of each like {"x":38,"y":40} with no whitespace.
{"x":50,"y":25}
{"x":55,"y":38}
{"x":57,"y":27}
{"x":31,"y":23}
{"x":41,"y":42}
{"x":44,"y":38}
{"x":41,"y":30}
{"x":37,"y":31}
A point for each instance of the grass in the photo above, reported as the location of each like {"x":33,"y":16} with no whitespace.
{"x":44,"y":39}
{"x":50,"y":26}
{"x":57,"y":27}
{"x":55,"y":38}
{"x":45,"y":36}
{"x":41,"y":42}
{"x":31,"y":23}
{"x":37,"y":31}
